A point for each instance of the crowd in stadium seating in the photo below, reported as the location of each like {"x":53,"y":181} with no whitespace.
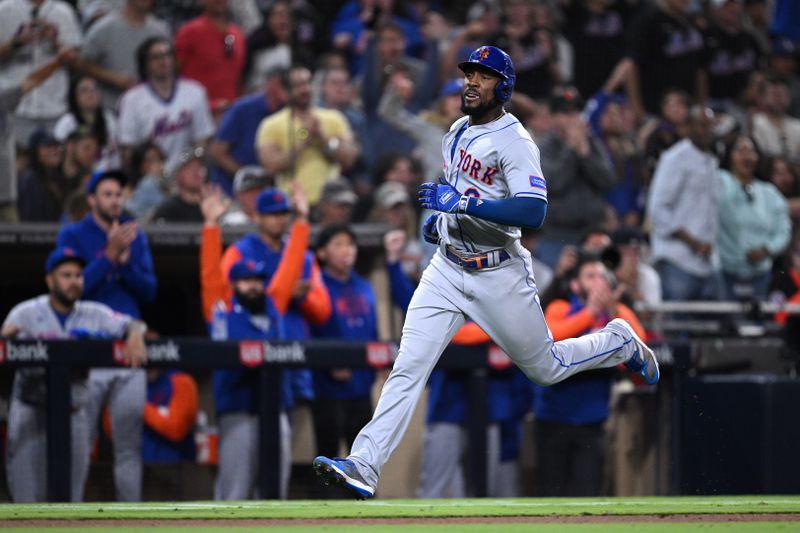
{"x":669,"y":133}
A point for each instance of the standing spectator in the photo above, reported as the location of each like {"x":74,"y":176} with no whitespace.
{"x":9,"y":99}
{"x":292,"y":33}
{"x":80,"y":157}
{"x":570,"y":416}
{"x":86,"y":111}
{"x":783,"y":66}
{"x":245,"y":305}
{"x":666,"y":49}
{"x":211,"y":50}
{"x":786,"y":179}
{"x":775,"y":132}
{"x":670,"y":127}
{"x":343,"y":396}
{"x":683,"y":206}
{"x":384,"y":59}
{"x":532,"y":48}
{"x":234,"y":144}
{"x":336,"y":203}
{"x":248,"y":183}
{"x":108,"y":53}
{"x":338,"y":92}
{"x":304,"y":142}
{"x":170,"y":111}
{"x":754,"y":225}
{"x":43,"y":188}
{"x":31,"y":34}
{"x":188,"y":173}
{"x":148,"y":185}
{"x":352,"y":25}
{"x":578,"y":175}
{"x":120,"y":275}
{"x":169,"y":416}
{"x":60,"y":314}
{"x":270,"y":48}
{"x":616,"y":135}
{"x":733,"y":53}
{"x":427,"y":127}
{"x":596,"y":30}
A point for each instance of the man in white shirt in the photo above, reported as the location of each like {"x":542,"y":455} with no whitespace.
{"x":775,"y":132}
{"x":31,"y":34}
{"x":683,"y":207}
{"x":171,"y":112}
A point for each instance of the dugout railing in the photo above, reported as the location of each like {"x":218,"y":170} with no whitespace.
{"x":61,"y":358}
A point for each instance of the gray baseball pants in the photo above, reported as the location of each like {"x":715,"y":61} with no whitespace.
{"x":26,"y":459}
{"x":124,"y":390}
{"x":238,"y":456}
{"x":504,"y":302}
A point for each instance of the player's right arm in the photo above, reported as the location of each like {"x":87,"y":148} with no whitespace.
{"x":290,"y":267}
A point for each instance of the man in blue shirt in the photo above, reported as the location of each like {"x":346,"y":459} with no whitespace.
{"x":118,"y":273}
{"x":234,"y":144}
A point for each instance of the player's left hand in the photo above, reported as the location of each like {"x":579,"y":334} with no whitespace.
{"x":441,"y":197}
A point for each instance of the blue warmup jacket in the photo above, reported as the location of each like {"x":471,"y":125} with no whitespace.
{"x":579,"y":400}
{"x":295,"y":327}
{"x":352,"y":318}
{"x":122,"y":287}
{"x":235,"y":390}
{"x":155,"y":448}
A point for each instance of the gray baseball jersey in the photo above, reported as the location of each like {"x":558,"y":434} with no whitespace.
{"x":27,"y":443}
{"x":37,"y":320}
{"x":490,"y":162}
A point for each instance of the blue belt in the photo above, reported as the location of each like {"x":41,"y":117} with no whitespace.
{"x":477,"y":262}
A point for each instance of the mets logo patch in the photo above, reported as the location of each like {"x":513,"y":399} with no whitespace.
{"x":484,"y":53}
{"x":537,"y":182}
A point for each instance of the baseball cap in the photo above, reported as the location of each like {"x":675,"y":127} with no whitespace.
{"x":250,"y":177}
{"x":100,"y":175}
{"x":453,"y":86}
{"x":41,"y":138}
{"x":177,"y":163}
{"x":272,"y":200}
{"x":390,"y":194}
{"x":61,"y":255}
{"x":566,"y":99}
{"x":247,"y":268}
{"x":338,"y":191}
{"x":782,"y":46}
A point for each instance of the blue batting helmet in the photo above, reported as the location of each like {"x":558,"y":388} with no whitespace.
{"x":498,"y":62}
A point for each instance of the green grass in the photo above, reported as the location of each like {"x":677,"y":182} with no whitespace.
{"x":403,"y":508}
{"x":632,"y":527}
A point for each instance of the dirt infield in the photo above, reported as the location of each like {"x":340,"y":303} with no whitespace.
{"x":581,"y":519}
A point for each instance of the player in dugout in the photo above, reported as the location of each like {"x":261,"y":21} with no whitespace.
{"x":256,"y":310}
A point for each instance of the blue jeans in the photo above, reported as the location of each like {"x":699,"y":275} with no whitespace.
{"x":677,"y":284}
{"x":737,"y":287}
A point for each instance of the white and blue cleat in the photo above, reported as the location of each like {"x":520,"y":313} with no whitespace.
{"x":643,"y":361}
{"x":342,"y":473}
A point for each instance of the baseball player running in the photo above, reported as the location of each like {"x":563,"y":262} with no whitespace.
{"x":492,"y":186}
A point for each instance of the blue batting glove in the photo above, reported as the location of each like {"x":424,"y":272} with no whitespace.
{"x":442,"y":197}
{"x":429,"y":231}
